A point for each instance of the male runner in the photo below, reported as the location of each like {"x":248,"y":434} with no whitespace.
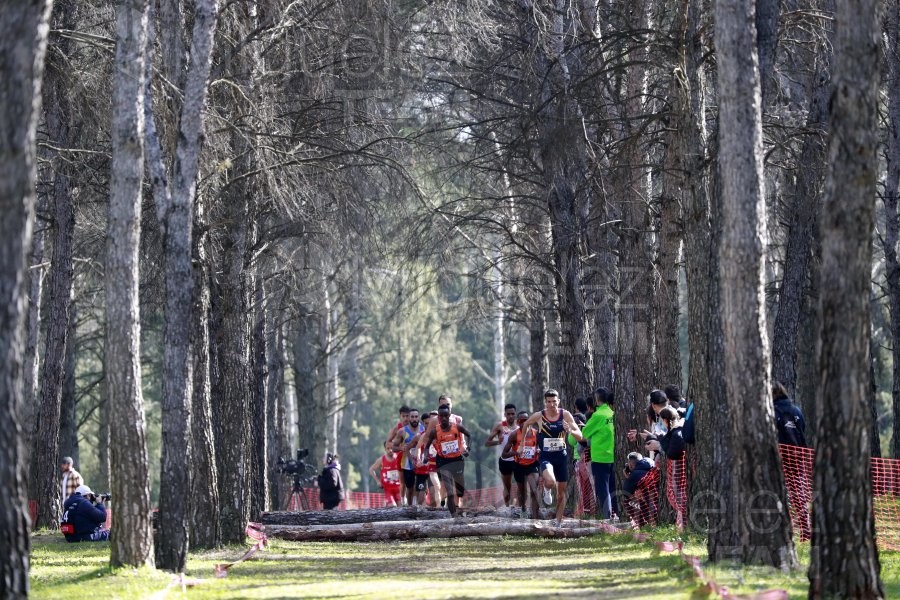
{"x":553,"y":424}
{"x":401,"y":443}
{"x":522,"y":447}
{"x":389,"y":478}
{"x":450,"y":441}
{"x":498,"y":436}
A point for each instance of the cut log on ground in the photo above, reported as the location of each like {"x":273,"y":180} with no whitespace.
{"x":443,"y":528}
{"x":371,"y":515}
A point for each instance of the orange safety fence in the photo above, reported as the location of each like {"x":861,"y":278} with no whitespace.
{"x":797,"y":463}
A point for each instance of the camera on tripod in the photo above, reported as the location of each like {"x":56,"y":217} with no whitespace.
{"x":291,"y":466}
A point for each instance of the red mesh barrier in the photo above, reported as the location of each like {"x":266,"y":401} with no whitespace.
{"x":676,"y":488}
{"x":797,"y":463}
{"x":586,"y":503}
{"x":642,"y":507}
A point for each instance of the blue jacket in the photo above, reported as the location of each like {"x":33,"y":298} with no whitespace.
{"x":640,"y":470}
{"x":86,"y":517}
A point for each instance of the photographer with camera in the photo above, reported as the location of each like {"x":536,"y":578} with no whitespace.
{"x":331,"y":486}
{"x":84,"y":516}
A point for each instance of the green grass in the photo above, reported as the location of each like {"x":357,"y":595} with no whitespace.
{"x":512,"y":567}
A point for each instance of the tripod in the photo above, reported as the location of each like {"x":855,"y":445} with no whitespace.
{"x":297,"y":500}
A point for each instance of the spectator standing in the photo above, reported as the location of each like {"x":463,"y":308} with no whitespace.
{"x":331,"y":486}
{"x":71,"y":478}
{"x":600,"y":432}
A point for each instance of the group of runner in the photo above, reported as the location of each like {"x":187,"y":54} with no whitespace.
{"x":424,"y":455}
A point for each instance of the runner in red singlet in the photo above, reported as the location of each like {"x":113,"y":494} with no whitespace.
{"x":389,"y":478}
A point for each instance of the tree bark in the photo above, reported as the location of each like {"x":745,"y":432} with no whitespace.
{"x":803,"y":230}
{"x":35,"y":282}
{"x":23,"y":38}
{"x":537,"y":363}
{"x":44,"y":485}
{"x":68,"y":416}
{"x":892,"y":217}
{"x":259,"y":417}
{"x":564,"y":171}
{"x":844,"y":554}
{"x":132,"y":541}
{"x":757,"y":473}
{"x":205,"y":531}
{"x":175,"y":210}
{"x":278,"y":424}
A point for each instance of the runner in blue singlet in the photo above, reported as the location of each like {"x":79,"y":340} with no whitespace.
{"x":553,"y":424}
{"x":401,"y":443}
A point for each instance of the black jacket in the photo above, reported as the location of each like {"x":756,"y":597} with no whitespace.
{"x":87,"y":518}
{"x":331,"y":486}
{"x":640,"y":470}
{"x":673,"y":443}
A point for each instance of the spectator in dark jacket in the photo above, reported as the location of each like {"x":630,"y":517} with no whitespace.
{"x":788,"y":418}
{"x":83,"y":519}
{"x":641,"y":501}
{"x":672,"y":443}
{"x":331,"y":486}
{"x":638,"y":468}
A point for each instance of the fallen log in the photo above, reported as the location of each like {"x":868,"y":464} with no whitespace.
{"x":444,"y":528}
{"x":371,"y":515}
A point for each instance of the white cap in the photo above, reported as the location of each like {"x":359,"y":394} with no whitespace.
{"x":83,"y":490}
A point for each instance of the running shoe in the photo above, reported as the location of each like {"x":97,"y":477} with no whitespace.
{"x":548,"y":497}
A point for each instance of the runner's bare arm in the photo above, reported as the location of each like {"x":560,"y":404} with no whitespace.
{"x":493,"y":438}
{"x":532,"y":420}
{"x":397,"y":441}
{"x":507,"y":449}
{"x":571,"y":426}
{"x":375,"y":467}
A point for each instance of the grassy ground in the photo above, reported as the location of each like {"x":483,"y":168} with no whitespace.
{"x":598,"y":567}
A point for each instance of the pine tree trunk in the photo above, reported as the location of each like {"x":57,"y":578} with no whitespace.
{"x":132,"y":541}
{"x":177,"y":222}
{"x":259,"y":416}
{"x":23,"y":38}
{"x":31,"y":362}
{"x":68,"y":416}
{"x":891,"y":193}
{"x":803,"y":229}
{"x":844,"y":554}
{"x":204,"y":519}
{"x":537,"y":362}
{"x":44,"y":486}
{"x":756,"y":470}
{"x":278,"y":424}
{"x":232,"y":439}
{"x":564,"y":171}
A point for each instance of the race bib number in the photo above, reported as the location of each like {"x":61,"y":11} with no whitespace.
{"x":393,"y":476}
{"x":528,"y":452}
{"x":554,"y":444}
{"x":451,"y":447}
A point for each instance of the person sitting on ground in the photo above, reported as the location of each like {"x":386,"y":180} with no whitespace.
{"x":331,"y":486}
{"x":84,"y":516}
{"x":672,"y":443}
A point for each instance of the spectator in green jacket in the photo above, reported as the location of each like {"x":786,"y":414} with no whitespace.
{"x":599,"y":431}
